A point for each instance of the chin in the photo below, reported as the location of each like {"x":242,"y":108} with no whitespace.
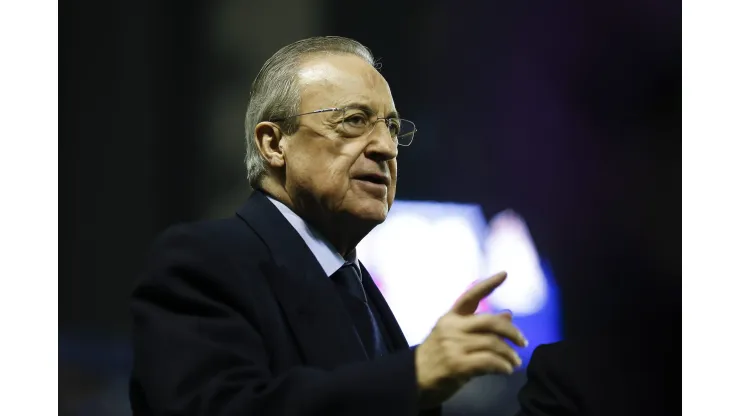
{"x":373,"y":211}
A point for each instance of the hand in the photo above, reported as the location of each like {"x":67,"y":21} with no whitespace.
{"x":463,"y":345}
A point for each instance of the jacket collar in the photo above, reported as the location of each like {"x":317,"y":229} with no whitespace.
{"x":313,"y":308}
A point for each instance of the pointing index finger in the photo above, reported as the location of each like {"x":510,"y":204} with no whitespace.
{"x":468,"y":302}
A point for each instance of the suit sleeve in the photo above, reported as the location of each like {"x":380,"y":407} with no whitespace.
{"x":546,"y":391}
{"x":195,"y":355}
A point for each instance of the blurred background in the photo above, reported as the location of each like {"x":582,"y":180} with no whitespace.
{"x":548,"y":129}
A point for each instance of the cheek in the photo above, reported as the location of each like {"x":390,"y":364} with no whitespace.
{"x":312,"y":162}
{"x":336,"y":178}
{"x":394,"y":179}
{"x":325,"y":176}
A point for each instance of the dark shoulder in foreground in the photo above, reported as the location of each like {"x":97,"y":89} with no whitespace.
{"x":600,"y":376}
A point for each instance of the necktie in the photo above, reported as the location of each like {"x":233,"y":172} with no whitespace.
{"x":353,"y":294}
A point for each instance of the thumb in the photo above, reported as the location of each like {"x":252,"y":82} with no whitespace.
{"x":506,"y":314}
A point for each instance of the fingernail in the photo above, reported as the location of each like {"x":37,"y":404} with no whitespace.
{"x":525,"y":342}
{"x":518,"y":361}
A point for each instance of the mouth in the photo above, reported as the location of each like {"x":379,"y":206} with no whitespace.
{"x":374,"y":178}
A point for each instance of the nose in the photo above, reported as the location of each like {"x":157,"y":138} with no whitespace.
{"x":382,"y":146}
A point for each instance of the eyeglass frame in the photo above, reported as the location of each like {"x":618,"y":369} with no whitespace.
{"x":326,"y":110}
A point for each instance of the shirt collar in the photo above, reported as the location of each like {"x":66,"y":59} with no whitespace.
{"x":327,"y":256}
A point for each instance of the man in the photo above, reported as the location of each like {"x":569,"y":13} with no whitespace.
{"x":270,"y":312}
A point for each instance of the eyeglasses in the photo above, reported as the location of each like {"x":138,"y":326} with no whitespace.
{"x":359,"y":121}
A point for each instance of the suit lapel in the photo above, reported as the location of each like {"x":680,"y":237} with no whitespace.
{"x":397,"y":339}
{"x":313,"y":308}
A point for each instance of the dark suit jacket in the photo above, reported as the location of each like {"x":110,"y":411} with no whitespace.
{"x":607,"y":376}
{"x":237,"y":317}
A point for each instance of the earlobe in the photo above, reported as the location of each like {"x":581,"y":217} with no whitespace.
{"x":276,"y":161}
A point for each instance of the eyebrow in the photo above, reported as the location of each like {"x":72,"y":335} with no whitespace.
{"x":367,"y":109}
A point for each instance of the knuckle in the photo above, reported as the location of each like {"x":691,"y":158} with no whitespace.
{"x":497,"y":365}
{"x":492,"y":362}
{"x":484,"y":366}
{"x":445,"y":322}
{"x":473,"y":369}
{"x":505,"y":329}
{"x":489,"y":319}
{"x":494,"y":322}
{"x":458,"y":367}
{"x":497,"y":343}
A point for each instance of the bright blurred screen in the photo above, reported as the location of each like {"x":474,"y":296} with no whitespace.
{"x":426,"y":254}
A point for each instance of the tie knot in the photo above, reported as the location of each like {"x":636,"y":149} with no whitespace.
{"x":348,"y":279}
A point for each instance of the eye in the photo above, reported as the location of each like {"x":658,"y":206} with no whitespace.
{"x":394,"y":126}
{"x":357,"y":120}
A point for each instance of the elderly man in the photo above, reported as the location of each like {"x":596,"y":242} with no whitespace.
{"x":270,"y":312}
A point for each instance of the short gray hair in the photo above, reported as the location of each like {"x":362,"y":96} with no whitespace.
{"x":275,"y":91}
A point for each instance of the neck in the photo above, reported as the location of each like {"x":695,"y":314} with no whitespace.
{"x":341,"y":230}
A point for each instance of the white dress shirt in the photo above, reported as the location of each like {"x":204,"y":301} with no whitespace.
{"x":325,"y":253}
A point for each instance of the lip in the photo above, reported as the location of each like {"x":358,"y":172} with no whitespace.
{"x":374,"y":178}
{"x":376,"y":190}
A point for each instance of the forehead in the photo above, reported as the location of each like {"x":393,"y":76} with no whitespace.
{"x":336,"y":80}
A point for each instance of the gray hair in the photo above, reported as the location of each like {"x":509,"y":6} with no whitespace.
{"x":275,"y":91}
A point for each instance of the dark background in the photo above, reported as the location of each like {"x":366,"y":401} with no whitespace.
{"x":568,"y":112}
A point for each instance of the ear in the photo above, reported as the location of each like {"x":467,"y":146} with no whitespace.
{"x":268,"y":136}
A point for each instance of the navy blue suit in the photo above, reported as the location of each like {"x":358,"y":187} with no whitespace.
{"x":236,"y":317}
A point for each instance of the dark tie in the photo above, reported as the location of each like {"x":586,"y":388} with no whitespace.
{"x":350,"y":288}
